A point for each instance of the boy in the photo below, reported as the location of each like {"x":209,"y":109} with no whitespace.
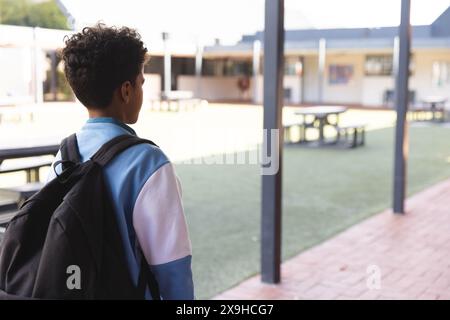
{"x":104,"y":67}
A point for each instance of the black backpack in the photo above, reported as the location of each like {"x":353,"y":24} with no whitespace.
{"x":64,"y":243}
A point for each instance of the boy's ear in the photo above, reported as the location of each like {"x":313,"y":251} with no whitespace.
{"x":125,"y":91}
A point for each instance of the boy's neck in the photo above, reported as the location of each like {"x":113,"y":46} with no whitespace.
{"x":106,"y":113}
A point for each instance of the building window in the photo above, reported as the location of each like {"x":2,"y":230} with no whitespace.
{"x":379,"y":65}
{"x":184,"y":66}
{"x":155,"y":65}
{"x":340,"y":74}
{"x":226,"y":67}
{"x":441,"y":73}
{"x":383,"y":65}
{"x":293,"y":66}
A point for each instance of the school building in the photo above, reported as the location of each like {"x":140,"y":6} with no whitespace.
{"x":328,"y":66}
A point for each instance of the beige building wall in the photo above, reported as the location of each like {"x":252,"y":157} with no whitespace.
{"x":366,"y":90}
{"x":369,"y":90}
{"x":344,"y":93}
{"x":422,"y":79}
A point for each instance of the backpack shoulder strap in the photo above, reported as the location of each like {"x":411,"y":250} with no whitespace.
{"x":69,"y":150}
{"x":115,"y":146}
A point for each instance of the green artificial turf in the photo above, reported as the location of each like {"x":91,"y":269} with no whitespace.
{"x":324,"y":192}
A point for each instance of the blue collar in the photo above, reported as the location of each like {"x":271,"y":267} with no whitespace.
{"x":113,"y":121}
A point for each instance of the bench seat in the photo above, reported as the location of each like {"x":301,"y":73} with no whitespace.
{"x":6,"y":217}
{"x":353,"y":135}
{"x":30,"y":165}
{"x":24,"y":191}
{"x":287,"y":128}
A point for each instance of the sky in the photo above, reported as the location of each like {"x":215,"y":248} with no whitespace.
{"x":228,"y":20}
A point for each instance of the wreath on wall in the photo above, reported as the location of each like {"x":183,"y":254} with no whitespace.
{"x":243,"y":84}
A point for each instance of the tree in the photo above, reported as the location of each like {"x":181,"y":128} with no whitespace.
{"x":45,"y":14}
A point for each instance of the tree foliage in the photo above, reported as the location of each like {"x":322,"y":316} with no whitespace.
{"x":45,"y":14}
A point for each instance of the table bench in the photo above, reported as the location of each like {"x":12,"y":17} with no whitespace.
{"x":176,"y":101}
{"x":321,"y":118}
{"x":421,"y":113}
{"x":30,"y":160}
{"x":4,"y":220}
{"x":6,"y":217}
{"x":288,"y":127}
{"x":354,"y":135}
{"x":8,"y":204}
{"x":23,"y":192}
{"x":31,"y":166}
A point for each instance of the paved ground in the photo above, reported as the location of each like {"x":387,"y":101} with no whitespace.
{"x":385,"y":257}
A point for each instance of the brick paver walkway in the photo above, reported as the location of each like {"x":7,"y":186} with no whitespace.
{"x":410,"y":253}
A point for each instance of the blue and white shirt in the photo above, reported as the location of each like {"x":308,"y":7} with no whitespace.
{"x":146,"y":196}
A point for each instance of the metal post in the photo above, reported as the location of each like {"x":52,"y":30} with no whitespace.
{"x":53,"y":76}
{"x":167,"y":65}
{"x":256,"y":69}
{"x":401,"y":102}
{"x":198,"y":68}
{"x":395,"y":56}
{"x":273,"y":99}
{"x":38,"y":87}
{"x":302,"y":81}
{"x":321,"y":75}
{"x":70,"y":19}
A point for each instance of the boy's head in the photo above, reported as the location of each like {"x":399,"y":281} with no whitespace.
{"x":104,"y":67}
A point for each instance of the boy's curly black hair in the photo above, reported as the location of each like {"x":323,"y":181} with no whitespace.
{"x":99,"y":59}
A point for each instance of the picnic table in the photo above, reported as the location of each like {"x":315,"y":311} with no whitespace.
{"x":176,"y":101}
{"x":29,"y":160}
{"x":31,"y":165}
{"x":21,"y":113}
{"x":321,"y":118}
{"x":435,"y":104}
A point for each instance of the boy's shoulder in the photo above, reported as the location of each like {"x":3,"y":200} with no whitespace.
{"x":144,"y":158}
{"x":132,"y":169}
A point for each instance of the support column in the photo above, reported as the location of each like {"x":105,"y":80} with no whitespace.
{"x":167,"y":65}
{"x":54,"y":76}
{"x":198,"y":69}
{"x":38,"y":86}
{"x":256,"y":69}
{"x":321,"y":73}
{"x":302,"y":81}
{"x":401,"y":103}
{"x":272,"y":178}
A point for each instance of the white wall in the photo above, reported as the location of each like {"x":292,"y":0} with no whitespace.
{"x":373,"y":89}
{"x":225,"y":88}
{"x":16,"y":73}
{"x":294,"y":83}
{"x":214,"y":88}
{"x":152,"y":86}
{"x":290,"y":81}
{"x":311,"y":79}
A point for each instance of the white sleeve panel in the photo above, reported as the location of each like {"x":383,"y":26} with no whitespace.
{"x":159,"y":220}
